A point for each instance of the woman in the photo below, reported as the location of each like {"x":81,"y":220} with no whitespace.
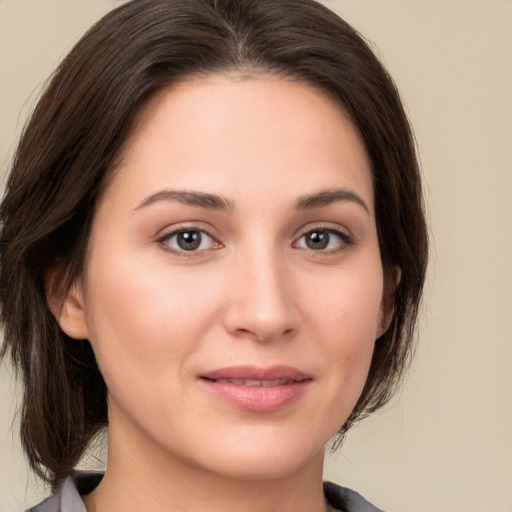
{"x":212,"y":243}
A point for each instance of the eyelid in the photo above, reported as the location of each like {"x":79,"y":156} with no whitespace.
{"x":326,"y":226}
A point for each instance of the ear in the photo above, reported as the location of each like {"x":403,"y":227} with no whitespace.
{"x":66,"y":305}
{"x":387,"y":306}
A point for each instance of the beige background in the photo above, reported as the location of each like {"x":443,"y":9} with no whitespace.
{"x":445,"y":444}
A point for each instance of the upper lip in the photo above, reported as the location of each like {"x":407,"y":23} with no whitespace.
{"x":248,"y":372}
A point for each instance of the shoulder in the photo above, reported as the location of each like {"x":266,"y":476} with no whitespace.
{"x":51,"y":504}
{"x":68,"y":498}
{"x":347,"y":500}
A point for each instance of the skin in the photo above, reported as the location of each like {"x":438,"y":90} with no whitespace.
{"x":253,"y":293}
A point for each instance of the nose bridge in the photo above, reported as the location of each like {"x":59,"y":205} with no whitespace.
{"x":261,"y":304}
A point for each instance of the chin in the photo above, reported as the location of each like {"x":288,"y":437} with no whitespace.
{"x":276,"y":468}
{"x":266,"y":460}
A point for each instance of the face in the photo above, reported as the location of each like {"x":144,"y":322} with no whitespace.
{"x":233,"y":289}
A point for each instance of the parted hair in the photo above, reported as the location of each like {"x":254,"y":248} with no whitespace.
{"x":68,"y":149}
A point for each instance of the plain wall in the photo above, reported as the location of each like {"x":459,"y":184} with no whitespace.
{"x":445,"y":443}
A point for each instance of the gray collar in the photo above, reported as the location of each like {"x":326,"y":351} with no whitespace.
{"x":83,"y":482}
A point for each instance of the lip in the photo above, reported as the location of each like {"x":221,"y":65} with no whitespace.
{"x":257,"y":389}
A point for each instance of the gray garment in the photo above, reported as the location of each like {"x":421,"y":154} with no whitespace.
{"x":68,"y":499}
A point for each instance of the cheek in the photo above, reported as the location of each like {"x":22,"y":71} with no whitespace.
{"x":346,"y":315}
{"x":143,"y":318}
{"x":349,"y":305}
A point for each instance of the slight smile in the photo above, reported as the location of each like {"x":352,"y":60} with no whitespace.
{"x":257,"y":389}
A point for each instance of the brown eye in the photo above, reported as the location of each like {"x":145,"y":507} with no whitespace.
{"x":188,"y":240}
{"x":317,"y":240}
{"x":324,"y":240}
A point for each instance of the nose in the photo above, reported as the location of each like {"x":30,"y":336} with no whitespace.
{"x":261,"y":301}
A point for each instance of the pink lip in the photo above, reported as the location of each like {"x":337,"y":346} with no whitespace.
{"x":259,"y":398}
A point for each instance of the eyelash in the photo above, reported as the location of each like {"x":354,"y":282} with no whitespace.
{"x":344,"y":240}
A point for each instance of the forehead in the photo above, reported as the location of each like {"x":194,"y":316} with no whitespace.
{"x":218,"y":131}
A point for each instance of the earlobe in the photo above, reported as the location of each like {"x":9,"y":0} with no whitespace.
{"x":387,"y":308}
{"x":386,"y":316}
{"x":66,"y":305}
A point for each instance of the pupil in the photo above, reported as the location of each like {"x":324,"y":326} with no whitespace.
{"x":189,"y":240}
{"x":317,"y":240}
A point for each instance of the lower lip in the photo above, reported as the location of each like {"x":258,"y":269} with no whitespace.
{"x":257,"y":398}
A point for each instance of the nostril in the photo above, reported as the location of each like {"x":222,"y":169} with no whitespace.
{"x":262,"y":335}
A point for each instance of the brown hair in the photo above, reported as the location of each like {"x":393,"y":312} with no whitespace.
{"x":78,"y":127}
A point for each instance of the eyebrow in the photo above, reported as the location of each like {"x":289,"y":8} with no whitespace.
{"x":329,"y":196}
{"x":217,"y":202}
{"x":201,"y":199}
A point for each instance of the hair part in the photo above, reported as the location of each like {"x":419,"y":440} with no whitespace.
{"x":68,"y":151}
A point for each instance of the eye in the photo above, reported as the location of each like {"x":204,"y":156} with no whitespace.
{"x":323,"y":240}
{"x":188,"y":240}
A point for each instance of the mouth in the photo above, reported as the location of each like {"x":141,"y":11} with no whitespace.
{"x":254,"y":375}
{"x":257,"y":389}
{"x":251,"y":382}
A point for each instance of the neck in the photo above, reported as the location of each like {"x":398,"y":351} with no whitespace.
{"x":142,"y":478}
